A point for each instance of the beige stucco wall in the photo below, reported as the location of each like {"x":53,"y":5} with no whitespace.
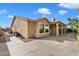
{"x":21,"y":26}
{"x":53,"y":29}
{"x":31,"y":29}
{"x":38,"y":34}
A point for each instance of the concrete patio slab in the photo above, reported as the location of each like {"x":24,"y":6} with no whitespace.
{"x":39,"y":47}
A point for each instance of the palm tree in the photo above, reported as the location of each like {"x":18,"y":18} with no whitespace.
{"x":73,"y":22}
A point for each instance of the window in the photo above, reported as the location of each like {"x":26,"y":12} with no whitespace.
{"x":41,"y":28}
{"x":44,"y":28}
{"x":46,"y":24}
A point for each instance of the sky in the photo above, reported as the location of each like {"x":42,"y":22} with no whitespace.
{"x":60,"y":11}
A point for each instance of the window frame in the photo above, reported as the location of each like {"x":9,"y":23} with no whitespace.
{"x":45,"y":25}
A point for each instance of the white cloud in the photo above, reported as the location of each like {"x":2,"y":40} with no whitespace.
{"x":3,"y":11}
{"x":62,"y":12}
{"x":10,"y":16}
{"x":43,"y":11}
{"x":69,"y":5}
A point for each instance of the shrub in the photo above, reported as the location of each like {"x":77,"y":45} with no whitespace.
{"x":1,"y":32}
{"x":17,"y":34}
{"x":77,"y":30}
{"x":9,"y":30}
{"x":69,"y":30}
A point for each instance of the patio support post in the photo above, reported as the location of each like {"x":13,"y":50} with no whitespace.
{"x":62,"y":32}
{"x":57,"y":29}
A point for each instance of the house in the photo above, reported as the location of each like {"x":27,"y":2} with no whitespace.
{"x":42,"y":27}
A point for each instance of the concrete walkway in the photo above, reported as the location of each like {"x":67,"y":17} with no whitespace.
{"x":40,"y":47}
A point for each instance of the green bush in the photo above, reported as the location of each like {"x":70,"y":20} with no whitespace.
{"x":69,"y":30}
{"x":77,"y":30}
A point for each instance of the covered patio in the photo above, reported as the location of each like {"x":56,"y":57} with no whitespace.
{"x":57,"y":28}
